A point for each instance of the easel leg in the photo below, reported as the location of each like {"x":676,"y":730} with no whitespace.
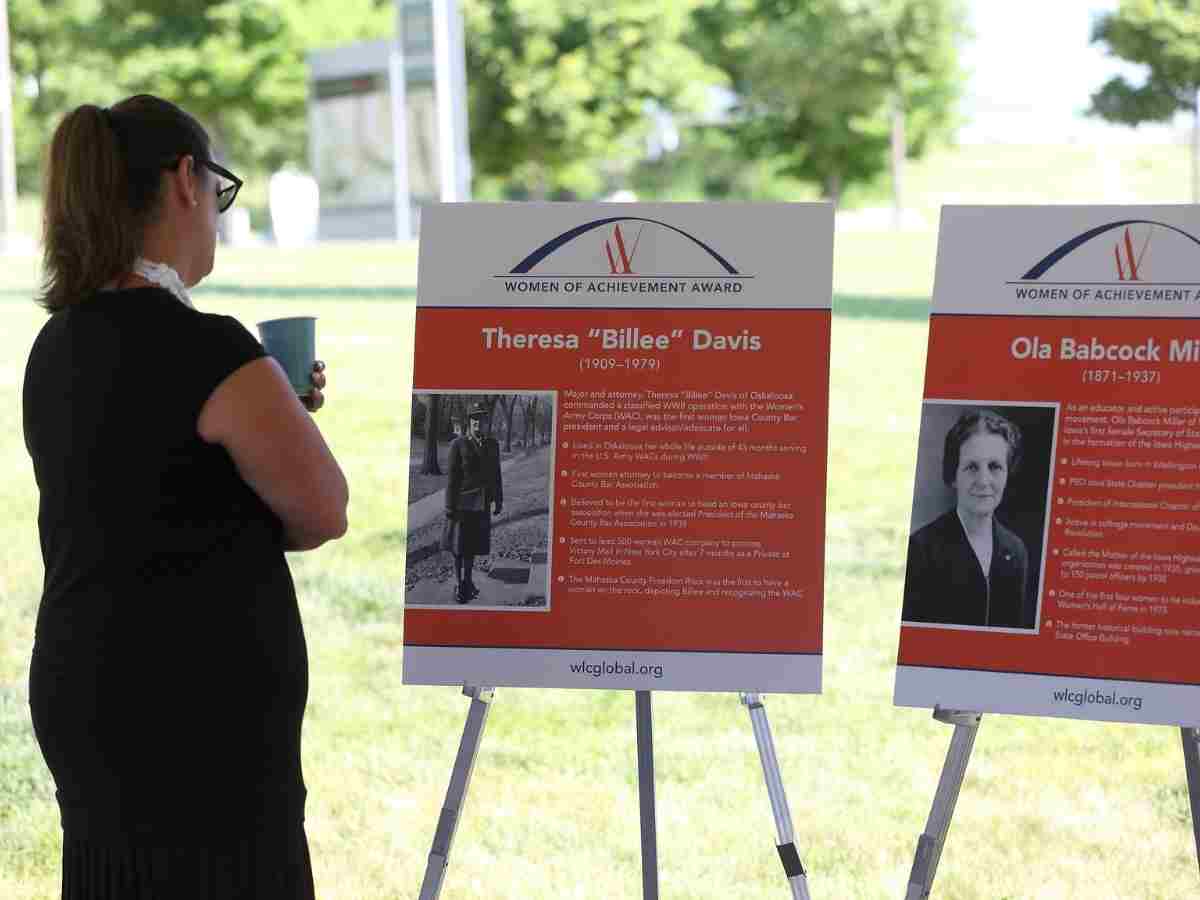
{"x":1191,"y":760}
{"x":456,"y":792}
{"x":788,"y":854}
{"x":645,"y":754}
{"x":929,"y":845}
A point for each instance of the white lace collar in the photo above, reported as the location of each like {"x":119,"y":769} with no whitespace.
{"x":165,"y":277}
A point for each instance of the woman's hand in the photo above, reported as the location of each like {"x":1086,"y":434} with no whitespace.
{"x":314,"y":400}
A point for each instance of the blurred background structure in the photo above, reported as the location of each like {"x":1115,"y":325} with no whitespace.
{"x":889,"y":107}
{"x":388,"y":124}
{"x":682,"y":99}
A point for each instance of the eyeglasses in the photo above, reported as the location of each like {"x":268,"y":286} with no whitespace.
{"x":225,"y":194}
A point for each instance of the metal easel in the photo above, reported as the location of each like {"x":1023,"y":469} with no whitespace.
{"x":788,"y":855}
{"x":468,"y":750}
{"x":966,"y":726}
{"x":645,"y":757}
{"x":456,"y":792}
{"x":933,"y":839}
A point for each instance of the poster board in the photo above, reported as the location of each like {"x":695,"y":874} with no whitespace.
{"x":1081,"y":327}
{"x":663,"y":473}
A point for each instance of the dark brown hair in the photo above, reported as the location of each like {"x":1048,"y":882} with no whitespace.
{"x":981,"y":421}
{"x":103,"y":180}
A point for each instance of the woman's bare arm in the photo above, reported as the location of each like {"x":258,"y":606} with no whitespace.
{"x":279,"y":451}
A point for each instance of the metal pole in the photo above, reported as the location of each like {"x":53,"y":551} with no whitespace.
{"x":1196,"y":148}
{"x":645,"y":754}
{"x":788,"y":855}
{"x":931,"y":842}
{"x":899,"y":153}
{"x":456,"y":792}
{"x":1191,"y":761}
{"x":8,"y":163}
{"x":450,"y":95}
{"x":398,"y":94}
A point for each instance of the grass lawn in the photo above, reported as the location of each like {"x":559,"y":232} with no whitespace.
{"x":1050,"y":808}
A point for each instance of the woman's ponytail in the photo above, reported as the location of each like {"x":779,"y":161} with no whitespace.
{"x":88,"y":236}
{"x":103,"y":180}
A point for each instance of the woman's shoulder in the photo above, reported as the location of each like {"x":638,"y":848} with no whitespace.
{"x":150,"y":307}
{"x":944,"y":526}
{"x":1008,"y":538}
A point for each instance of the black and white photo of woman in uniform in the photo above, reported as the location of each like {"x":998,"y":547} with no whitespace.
{"x":474,"y":492}
{"x":968,"y":566}
{"x":480,"y":495}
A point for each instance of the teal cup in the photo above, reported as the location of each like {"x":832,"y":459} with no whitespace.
{"x":293,"y":343}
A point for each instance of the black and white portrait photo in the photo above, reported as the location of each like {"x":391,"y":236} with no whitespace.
{"x":479,"y":505}
{"x":980,"y":506}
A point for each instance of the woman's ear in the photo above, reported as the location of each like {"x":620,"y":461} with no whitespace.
{"x":186,"y":181}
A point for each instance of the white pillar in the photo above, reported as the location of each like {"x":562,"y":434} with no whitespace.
{"x":1196,"y":149}
{"x":899,"y":152}
{"x":397,"y":91}
{"x":450,"y":89}
{"x":8,"y":162}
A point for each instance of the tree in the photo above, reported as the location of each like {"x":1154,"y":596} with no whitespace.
{"x":238,"y":65}
{"x":433,"y":425}
{"x":559,"y":90}
{"x":234,"y":64}
{"x":921,"y":41}
{"x":547,"y":421}
{"x":821,"y":83}
{"x":508,"y":403}
{"x":1163,"y":36}
{"x":531,"y":411}
{"x":43,"y":36}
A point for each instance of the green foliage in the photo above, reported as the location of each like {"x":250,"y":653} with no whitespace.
{"x":41,"y":36}
{"x":234,"y":65}
{"x":1164,"y":36}
{"x":818,"y":80}
{"x":237,"y":65}
{"x":559,"y":91}
{"x":708,"y":164}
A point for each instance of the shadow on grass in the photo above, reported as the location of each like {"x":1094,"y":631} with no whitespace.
{"x":303,"y":292}
{"x":906,"y":309}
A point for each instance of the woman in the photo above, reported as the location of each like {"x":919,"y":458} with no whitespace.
{"x":175,"y":465}
{"x":473,"y":489}
{"x":966,"y":567}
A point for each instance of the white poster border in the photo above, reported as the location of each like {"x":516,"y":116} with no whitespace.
{"x":639,"y":670}
{"x":1056,"y":696}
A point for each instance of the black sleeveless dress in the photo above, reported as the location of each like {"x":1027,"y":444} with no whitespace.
{"x":169,"y":671}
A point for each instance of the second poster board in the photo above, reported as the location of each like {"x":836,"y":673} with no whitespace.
{"x":1061,"y":411}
